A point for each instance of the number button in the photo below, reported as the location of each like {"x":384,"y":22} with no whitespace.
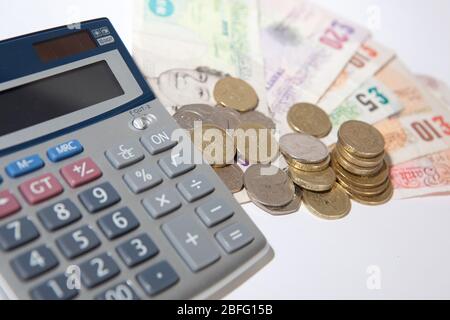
{"x":157,"y":278}
{"x":137,"y":250}
{"x":58,"y":288}
{"x":78,"y":242}
{"x":34,"y":263}
{"x":17,"y":233}
{"x":99,"y":197}
{"x":122,"y":291}
{"x":118,"y":223}
{"x":98,"y":270}
{"x":59,"y":215}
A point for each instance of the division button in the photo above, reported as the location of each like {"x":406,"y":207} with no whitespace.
{"x":195,"y":187}
{"x":191,"y":241}
{"x":124,"y":155}
{"x":234,"y":237}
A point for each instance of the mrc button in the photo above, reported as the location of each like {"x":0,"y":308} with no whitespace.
{"x":23,"y":166}
{"x":64,"y":150}
{"x":41,"y":188}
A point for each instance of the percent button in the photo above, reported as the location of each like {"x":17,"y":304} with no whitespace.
{"x":142,"y":179}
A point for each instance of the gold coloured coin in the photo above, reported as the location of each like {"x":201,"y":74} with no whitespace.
{"x":354,"y":168}
{"x":255,"y":143}
{"x":360,"y":162}
{"x":310,"y":119}
{"x":361,"y":139}
{"x":217,"y":147}
{"x":235,"y":93}
{"x":374,"y":200}
{"x":232,"y":176}
{"x":360,"y":190}
{"x":312,"y":167}
{"x":330,"y":205}
{"x":362,"y":181}
{"x":314,"y":181}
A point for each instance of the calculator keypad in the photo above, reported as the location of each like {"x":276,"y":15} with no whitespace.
{"x":78,"y":242}
{"x":160,"y":221}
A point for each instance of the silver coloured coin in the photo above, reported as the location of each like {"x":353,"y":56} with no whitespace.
{"x":291,"y":207}
{"x":303,"y":148}
{"x":269,"y":185}
{"x":187,"y":118}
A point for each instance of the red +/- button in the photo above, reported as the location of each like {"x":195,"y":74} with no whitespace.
{"x":81,"y":172}
{"x":8,"y":204}
{"x":41,"y":188}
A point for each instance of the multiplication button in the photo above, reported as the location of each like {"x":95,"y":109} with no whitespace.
{"x":161,"y":203}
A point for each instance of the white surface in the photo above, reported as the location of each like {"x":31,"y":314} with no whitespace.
{"x":407,"y":241}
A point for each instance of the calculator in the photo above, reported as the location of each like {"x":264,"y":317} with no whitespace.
{"x":95,"y":201}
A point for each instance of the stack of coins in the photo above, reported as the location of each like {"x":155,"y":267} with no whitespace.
{"x":358,"y":159}
{"x":271,"y":189}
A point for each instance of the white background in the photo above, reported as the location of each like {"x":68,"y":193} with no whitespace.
{"x":408,"y":241}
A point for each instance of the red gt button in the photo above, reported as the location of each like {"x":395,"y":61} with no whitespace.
{"x":41,"y":188}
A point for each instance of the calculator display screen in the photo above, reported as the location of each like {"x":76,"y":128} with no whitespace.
{"x":57,"y":95}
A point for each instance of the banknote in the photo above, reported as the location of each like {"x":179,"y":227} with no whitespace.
{"x":305,"y":48}
{"x":427,"y":175}
{"x":371,"y":102}
{"x":184,"y":47}
{"x":423,"y":125}
{"x":437,"y":88}
{"x":367,"y":61}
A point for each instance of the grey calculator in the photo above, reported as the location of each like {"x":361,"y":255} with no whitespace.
{"x":95,"y":201}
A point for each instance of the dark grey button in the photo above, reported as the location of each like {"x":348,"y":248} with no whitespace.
{"x":58,"y":288}
{"x":17,"y":233}
{"x":157,"y":278}
{"x":142,"y":179}
{"x":158,"y":141}
{"x":137,"y":250}
{"x":118,"y":223}
{"x":98,"y":270}
{"x":125,"y":155}
{"x":34,"y":263}
{"x":214,"y":212}
{"x":174,"y":166}
{"x":191,"y":241}
{"x":121,"y":291}
{"x":78,"y":242}
{"x":59,"y":215}
{"x":234,"y":237}
{"x":161,"y":203}
{"x":99,"y":197}
{"x":195,"y":187}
